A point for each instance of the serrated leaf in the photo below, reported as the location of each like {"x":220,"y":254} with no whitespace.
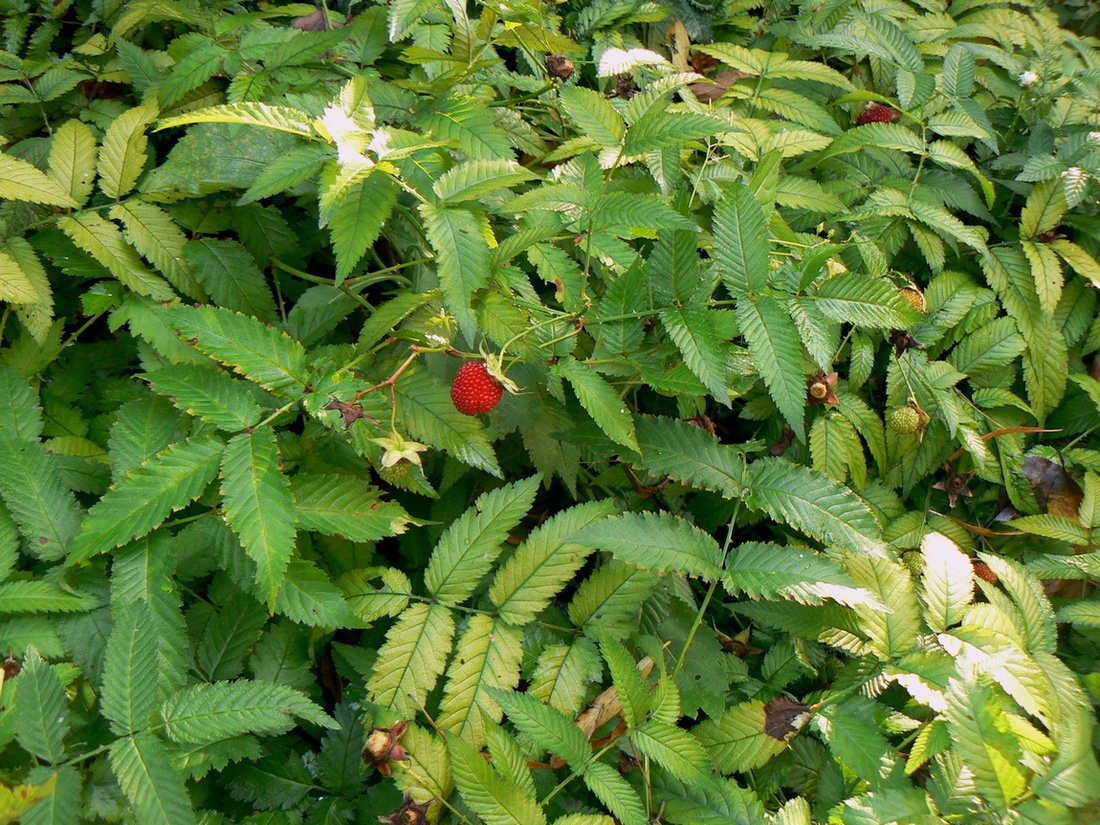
{"x":72,"y":160}
{"x":32,"y":489}
{"x":697,"y":339}
{"x":593,"y":115}
{"x":988,"y":348}
{"x":270,"y":358}
{"x":870,"y":302}
{"x":616,"y":793}
{"x":496,"y":802}
{"x":469,"y":122}
{"x":610,"y":599}
{"x":979,"y":733}
{"x":342,"y":505}
{"x":737,"y":742}
{"x":122,"y":157}
{"x":358,"y":217}
{"x":258,"y":505}
{"x":777,"y":353}
{"x":471,"y":543}
{"x":600,"y":400}
{"x":203,"y":713}
{"x":1046,"y":269}
{"x":689,"y":454}
{"x":676,"y":750}
{"x":562,"y":673}
{"x":883,"y":135}
{"x":544,"y":563}
{"x":153,"y":233}
{"x":947,"y":582}
{"x":39,"y":710}
{"x":307,"y":596}
{"x":657,"y":541}
{"x":1079,"y":260}
{"x":741,"y":242}
{"x":772,"y":571}
{"x":190,"y":72}
{"x":282,"y":118}
{"x":427,"y":413}
{"x":21,"y":181}
{"x":32,"y":596}
{"x":209,"y":394}
{"x":104,"y":242}
{"x":892,"y":633}
{"x":145,"y":495}
{"x":130,"y":690}
{"x":813,"y":503}
{"x":155,"y":789}
{"x":474,"y":178}
{"x":1045,"y":207}
{"x":370,"y":602}
{"x":412,"y":657}
{"x":229,"y":273}
{"x":546,"y":725}
{"x":487,"y":655}
{"x":462,"y":257}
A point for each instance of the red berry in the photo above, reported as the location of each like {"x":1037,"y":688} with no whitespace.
{"x":982,"y":571}
{"x":877,"y":113}
{"x":474,"y":390}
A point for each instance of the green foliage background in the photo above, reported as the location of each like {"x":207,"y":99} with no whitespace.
{"x":245,"y":246}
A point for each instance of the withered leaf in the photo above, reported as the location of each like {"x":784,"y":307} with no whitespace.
{"x":784,"y":717}
{"x":1055,"y":490}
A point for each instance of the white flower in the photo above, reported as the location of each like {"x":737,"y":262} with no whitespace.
{"x":1094,"y":138}
{"x":1028,"y":79}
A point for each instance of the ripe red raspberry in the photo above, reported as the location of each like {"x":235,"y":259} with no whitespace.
{"x":982,"y":571}
{"x":877,"y":113}
{"x":474,"y":390}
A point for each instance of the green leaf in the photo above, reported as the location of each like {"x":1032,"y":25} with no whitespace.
{"x":882,"y":135}
{"x":308,"y":597}
{"x":229,"y":273}
{"x":31,"y":487}
{"x":39,"y":709}
{"x":72,"y":160}
{"x":741,"y":242}
{"x":268,"y":357}
{"x":813,"y":503}
{"x":959,"y":71}
{"x":190,"y":72}
{"x":772,"y":571}
{"x":870,"y":302}
{"x":676,"y":750}
{"x":1046,"y":364}
{"x":1046,"y":269}
{"x":562,"y":673}
{"x":894,"y":633}
{"x":474,"y":178}
{"x":1045,"y":207}
{"x":947,"y":582}
{"x":694,"y":334}
{"x":611,"y":598}
{"x":736,"y":742}
{"x":123,"y":157}
{"x":978,"y":728}
{"x":358,"y":217}
{"x":777,"y":353}
{"x":469,"y":546}
{"x":21,"y":181}
{"x":658,"y":541}
{"x":209,"y":394}
{"x":427,"y":413}
{"x":339,"y":505}
{"x":258,"y":505}
{"x":635,"y":696}
{"x":229,"y":633}
{"x":855,"y":738}
{"x":412,"y":657}
{"x":208,"y":712}
{"x":130,"y":691}
{"x":988,"y":348}
{"x":545,"y":562}
{"x":469,"y":122}
{"x":458,"y":237}
{"x":616,"y":793}
{"x":282,"y":118}
{"x":546,"y":725}
{"x":104,"y":242}
{"x":370,"y":602}
{"x":593,"y":115}
{"x":153,"y":233}
{"x":33,"y":596}
{"x":689,"y":454}
{"x":600,"y":400}
{"x":496,"y":802}
{"x":155,"y":789}
{"x":145,"y":495}
{"x":487,"y":655}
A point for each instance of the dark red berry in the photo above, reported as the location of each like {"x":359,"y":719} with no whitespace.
{"x":877,"y":113}
{"x":982,"y":571}
{"x":474,"y":390}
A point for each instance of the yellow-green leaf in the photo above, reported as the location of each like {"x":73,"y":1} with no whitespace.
{"x":21,"y":181}
{"x":123,"y":156}
{"x":72,"y":159}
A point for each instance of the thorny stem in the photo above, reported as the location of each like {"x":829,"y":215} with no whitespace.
{"x":392,"y":380}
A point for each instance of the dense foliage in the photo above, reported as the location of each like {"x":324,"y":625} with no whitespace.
{"x":786,"y":515}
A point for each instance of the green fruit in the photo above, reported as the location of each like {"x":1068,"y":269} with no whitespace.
{"x":903,"y":420}
{"x":913,"y":560}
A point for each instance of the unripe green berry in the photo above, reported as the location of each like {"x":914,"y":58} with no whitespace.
{"x":913,"y":560}
{"x":903,"y":420}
